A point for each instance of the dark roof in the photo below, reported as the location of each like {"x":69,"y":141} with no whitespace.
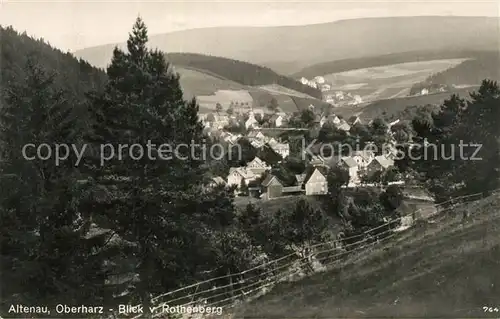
{"x":352,"y":119}
{"x":349,"y":161}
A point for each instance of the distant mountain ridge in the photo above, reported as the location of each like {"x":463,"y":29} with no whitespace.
{"x":288,"y":49}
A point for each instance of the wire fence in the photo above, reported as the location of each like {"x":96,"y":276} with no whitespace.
{"x":229,"y":290}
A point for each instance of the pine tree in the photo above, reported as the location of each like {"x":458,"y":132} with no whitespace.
{"x":45,"y":255}
{"x":158,"y":204}
{"x":480,"y":126}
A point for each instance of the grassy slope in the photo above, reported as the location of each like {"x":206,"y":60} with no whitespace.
{"x":198,"y":82}
{"x":395,"y":106}
{"x":442,"y":270}
{"x":238,"y":71}
{"x":381,"y":60}
{"x":484,"y":66}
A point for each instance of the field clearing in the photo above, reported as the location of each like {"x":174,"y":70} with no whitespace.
{"x":278,"y":89}
{"x":211,"y":89}
{"x":394,"y":105}
{"x":372,"y":83}
{"x":443,"y":270}
{"x":196,"y":83}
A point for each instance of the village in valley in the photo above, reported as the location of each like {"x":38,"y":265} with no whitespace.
{"x":276,"y":164}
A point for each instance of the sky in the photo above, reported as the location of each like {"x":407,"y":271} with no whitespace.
{"x":71,"y":25}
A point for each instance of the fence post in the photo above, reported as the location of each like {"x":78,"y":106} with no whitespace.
{"x":231,"y":288}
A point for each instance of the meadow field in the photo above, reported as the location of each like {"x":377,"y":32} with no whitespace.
{"x":388,"y":81}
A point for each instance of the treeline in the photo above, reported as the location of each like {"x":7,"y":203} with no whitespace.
{"x":239,"y":71}
{"x":86,"y":233}
{"x":456,"y":146}
{"x":76,"y":76}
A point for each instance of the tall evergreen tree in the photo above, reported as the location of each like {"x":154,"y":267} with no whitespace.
{"x":480,"y":127}
{"x":159,"y":204}
{"x":46,"y":257}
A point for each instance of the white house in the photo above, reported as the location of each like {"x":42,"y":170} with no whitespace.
{"x":424,"y":92}
{"x":357,"y":99}
{"x":319,"y":79}
{"x":237,"y":174}
{"x":333,"y":119}
{"x":217,"y":121}
{"x":251,"y":122}
{"x":353,"y":120}
{"x":257,"y":144}
{"x":272,"y":140}
{"x":257,"y":166}
{"x":342,"y":125}
{"x":277,"y":120}
{"x":256,"y":135}
{"x":316,"y":183}
{"x":363,"y":158}
{"x":329,"y":99}
{"x":326,"y":87}
{"x":349,"y":164}
{"x":339,"y":95}
{"x":379,"y":163}
{"x":280,"y":148}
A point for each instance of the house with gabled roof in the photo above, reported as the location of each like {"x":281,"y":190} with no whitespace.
{"x":257,"y":144}
{"x":317,"y":160}
{"x":350,"y":165}
{"x":353,"y":120}
{"x":332,"y":118}
{"x":251,"y":122}
{"x":216,"y":181}
{"x":257,"y":166}
{"x":283,"y":149}
{"x":363,"y":158}
{"x":217,"y":121}
{"x":343,"y":126}
{"x":272,"y":187}
{"x":237,"y":174}
{"x":379,"y":164}
{"x":300,"y":178}
{"x":277,"y":120}
{"x":319,"y":119}
{"x":315,"y":182}
{"x":256,"y":135}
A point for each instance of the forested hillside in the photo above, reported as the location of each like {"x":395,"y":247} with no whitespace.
{"x":75,"y":76}
{"x":239,"y":71}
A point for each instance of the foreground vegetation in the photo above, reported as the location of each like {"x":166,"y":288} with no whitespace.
{"x":445,"y":270}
